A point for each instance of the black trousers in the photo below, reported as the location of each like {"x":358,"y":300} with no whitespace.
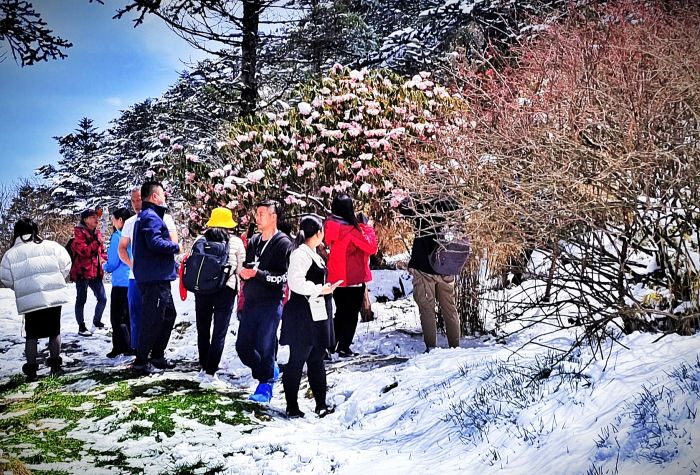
{"x":315,"y":370}
{"x":157,"y":320}
{"x":216,"y":307}
{"x":119,"y":318}
{"x":348,"y":301}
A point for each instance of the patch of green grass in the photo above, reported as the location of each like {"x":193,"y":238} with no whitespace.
{"x":24,"y":434}
{"x":204,"y":407}
{"x":14,"y":383}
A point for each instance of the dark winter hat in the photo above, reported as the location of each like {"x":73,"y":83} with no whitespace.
{"x":86,"y":213}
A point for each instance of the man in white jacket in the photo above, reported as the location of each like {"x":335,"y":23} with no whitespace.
{"x":36,"y":269}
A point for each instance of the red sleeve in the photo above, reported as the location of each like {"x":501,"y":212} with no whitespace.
{"x":366,"y":240}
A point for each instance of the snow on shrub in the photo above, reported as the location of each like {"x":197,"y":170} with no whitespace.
{"x":342,"y":135}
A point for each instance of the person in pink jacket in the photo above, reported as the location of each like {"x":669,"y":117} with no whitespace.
{"x":351,"y":242}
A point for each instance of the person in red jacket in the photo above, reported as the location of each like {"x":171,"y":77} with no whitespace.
{"x":88,"y":256}
{"x":351,"y":242}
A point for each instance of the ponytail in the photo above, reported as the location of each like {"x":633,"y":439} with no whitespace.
{"x":308,"y":226}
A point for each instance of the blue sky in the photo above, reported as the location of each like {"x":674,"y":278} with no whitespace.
{"x":110,"y":67}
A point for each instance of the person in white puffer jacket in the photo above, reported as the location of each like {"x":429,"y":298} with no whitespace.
{"x":36,"y":269}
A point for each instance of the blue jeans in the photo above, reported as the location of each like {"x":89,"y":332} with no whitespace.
{"x":98,"y":289}
{"x":257,"y":339}
{"x":135,"y":303}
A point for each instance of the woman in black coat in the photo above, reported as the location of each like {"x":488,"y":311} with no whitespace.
{"x":307,"y":326}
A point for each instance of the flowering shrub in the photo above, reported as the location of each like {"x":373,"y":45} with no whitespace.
{"x":341,"y":136}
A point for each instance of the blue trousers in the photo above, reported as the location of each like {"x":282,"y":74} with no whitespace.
{"x":257,"y":339}
{"x":98,"y":289}
{"x":215,"y":307}
{"x":157,"y":320}
{"x":135,"y":301}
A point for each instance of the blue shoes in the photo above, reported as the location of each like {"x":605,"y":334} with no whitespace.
{"x":263,"y":393}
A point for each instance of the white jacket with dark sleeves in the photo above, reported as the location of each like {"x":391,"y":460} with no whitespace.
{"x":236,"y":256}
{"x":37,"y":273}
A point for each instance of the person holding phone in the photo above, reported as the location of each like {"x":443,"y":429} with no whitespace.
{"x":264,"y":274}
{"x":306,"y":320}
{"x":351,"y":242}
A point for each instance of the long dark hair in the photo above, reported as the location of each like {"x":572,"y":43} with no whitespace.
{"x":216,"y":234}
{"x":343,"y":208}
{"x":308,"y":226}
{"x":26,"y":226}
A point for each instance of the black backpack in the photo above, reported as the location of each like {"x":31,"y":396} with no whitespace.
{"x":206,"y":269}
{"x":69,"y":248}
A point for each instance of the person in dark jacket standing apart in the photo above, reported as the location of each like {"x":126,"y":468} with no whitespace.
{"x":88,"y":257}
{"x":265,"y":274}
{"x":154,"y":269}
{"x":118,"y":302}
{"x":351,"y":243}
{"x":428,"y":285}
{"x":306,"y":320}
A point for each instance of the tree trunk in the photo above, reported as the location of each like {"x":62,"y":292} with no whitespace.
{"x":249,"y":56}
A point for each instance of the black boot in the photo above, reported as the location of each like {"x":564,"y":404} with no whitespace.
{"x":55,"y":365}
{"x":30,"y":370}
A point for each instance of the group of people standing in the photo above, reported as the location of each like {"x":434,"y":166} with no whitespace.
{"x":275,"y":279}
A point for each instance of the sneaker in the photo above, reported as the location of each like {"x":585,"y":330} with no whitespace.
{"x":201,"y":375}
{"x":294,"y":413}
{"x":144,"y":369}
{"x":113,"y":354}
{"x":162,"y":363}
{"x":347,"y":353}
{"x":99,"y":326}
{"x":212,"y":381}
{"x":262,"y":394}
{"x":323,"y":411}
{"x":83,"y":331}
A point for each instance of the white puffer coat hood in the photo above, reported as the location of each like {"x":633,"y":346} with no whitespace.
{"x":37,"y":273}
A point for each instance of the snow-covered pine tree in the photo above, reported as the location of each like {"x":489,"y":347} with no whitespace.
{"x":72,"y":184}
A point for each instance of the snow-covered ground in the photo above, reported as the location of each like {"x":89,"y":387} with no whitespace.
{"x":485,"y":407}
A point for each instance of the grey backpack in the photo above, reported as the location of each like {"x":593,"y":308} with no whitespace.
{"x":448,"y":258}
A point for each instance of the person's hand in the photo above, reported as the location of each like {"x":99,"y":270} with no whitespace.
{"x":247,"y":274}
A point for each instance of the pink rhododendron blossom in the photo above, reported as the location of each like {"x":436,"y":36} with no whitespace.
{"x":326,"y":190}
{"x":356,"y":165}
{"x":290,"y":200}
{"x":365,"y":156}
{"x":304,"y":108}
{"x":256,"y":176}
{"x":177,"y":148}
{"x":366,"y":188}
{"x":190,"y":176}
{"x":232,"y":204}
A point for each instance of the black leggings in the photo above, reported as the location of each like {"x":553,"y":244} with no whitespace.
{"x":348,"y":301}
{"x":315,"y":370}
{"x":119,"y":318}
